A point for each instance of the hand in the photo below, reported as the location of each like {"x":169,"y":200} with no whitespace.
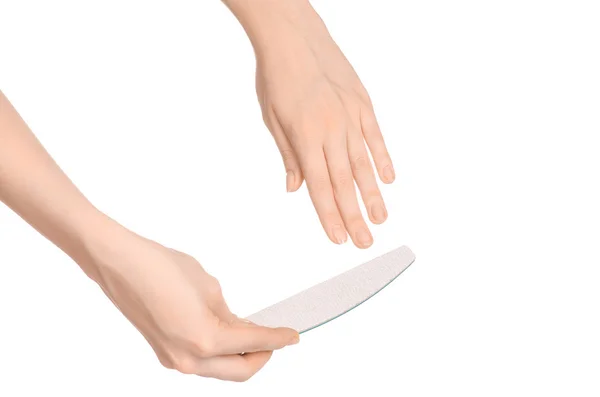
{"x":179,"y":308}
{"x":166,"y":294}
{"x":319,"y":114}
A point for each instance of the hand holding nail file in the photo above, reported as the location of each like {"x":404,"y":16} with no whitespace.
{"x":330,"y":299}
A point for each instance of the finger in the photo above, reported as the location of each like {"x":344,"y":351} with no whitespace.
{"x":235,"y":368}
{"x":340,"y":172}
{"x":362,"y":169}
{"x":377,"y":147}
{"x":228,"y":317}
{"x":236,"y":338}
{"x":293,"y":171}
{"x":221,"y":310}
{"x":320,"y":190}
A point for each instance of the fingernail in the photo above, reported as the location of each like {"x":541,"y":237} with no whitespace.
{"x":364,"y":238}
{"x":294,"y":340}
{"x":339,"y":234}
{"x":290,"y":178}
{"x":388,"y":174}
{"x":378,"y":212}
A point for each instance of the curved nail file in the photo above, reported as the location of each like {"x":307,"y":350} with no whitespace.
{"x":330,"y":299}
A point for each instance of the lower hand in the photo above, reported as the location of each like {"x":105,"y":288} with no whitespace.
{"x":178,"y":307}
{"x":165,"y":294}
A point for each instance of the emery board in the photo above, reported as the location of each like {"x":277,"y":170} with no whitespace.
{"x":330,"y":299}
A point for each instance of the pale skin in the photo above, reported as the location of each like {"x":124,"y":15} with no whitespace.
{"x":323,"y":123}
{"x":319,"y":114}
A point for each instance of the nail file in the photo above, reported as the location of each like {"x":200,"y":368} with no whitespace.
{"x":332,"y":298}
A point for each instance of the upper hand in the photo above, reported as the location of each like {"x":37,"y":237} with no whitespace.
{"x":320,"y":116}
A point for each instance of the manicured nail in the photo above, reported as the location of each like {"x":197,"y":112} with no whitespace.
{"x":378,"y":212}
{"x":388,"y":174}
{"x":290,"y":180}
{"x":364,"y":238}
{"x":339,"y":234}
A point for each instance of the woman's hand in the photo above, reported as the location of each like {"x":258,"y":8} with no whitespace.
{"x":165,"y":294}
{"x":178,"y":307}
{"x":319,"y":114}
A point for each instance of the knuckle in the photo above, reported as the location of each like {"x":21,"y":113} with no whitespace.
{"x":214,"y":286}
{"x":342,"y":182}
{"x":335,"y":123}
{"x":288,"y":156}
{"x":332,"y":219}
{"x":184,"y":363}
{"x":373,"y":196}
{"x":362,"y":94}
{"x":303,"y":137}
{"x":356,"y":221}
{"x":166,"y":362}
{"x":360,"y":163}
{"x":320,"y":185}
{"x":369,"y":123}
{"x":205,"y":347}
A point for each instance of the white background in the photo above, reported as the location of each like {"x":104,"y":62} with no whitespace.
{"x":491,"y":111}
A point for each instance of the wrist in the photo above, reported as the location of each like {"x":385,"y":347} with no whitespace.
{"x":77,"y":233}
{"x":98,"y":240}
{"x":83,"y":233}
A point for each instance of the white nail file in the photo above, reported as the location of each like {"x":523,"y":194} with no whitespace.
{"x":330,"y":299}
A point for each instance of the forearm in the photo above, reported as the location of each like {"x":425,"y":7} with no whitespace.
{"x":277,"y":24}
{"x":33,"y":185}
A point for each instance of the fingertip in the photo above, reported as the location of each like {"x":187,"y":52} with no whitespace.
{"x":363,"y":238}
{"x":378,"y":213}
{"x":388,"y":175}
{"x":290,"y":335}
{"x":297,"y":185}
{"x":295,"y":339}
{"x":278,"y":338}
{"x":338,"y":235}
{"x":364,"y":246}
{"x":293,"y":180}
{"x":290,"y":181}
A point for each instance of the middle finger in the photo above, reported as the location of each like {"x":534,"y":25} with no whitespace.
{"x":342,"y":180}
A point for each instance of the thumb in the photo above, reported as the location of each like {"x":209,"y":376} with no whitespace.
{"x":241,"y":337}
